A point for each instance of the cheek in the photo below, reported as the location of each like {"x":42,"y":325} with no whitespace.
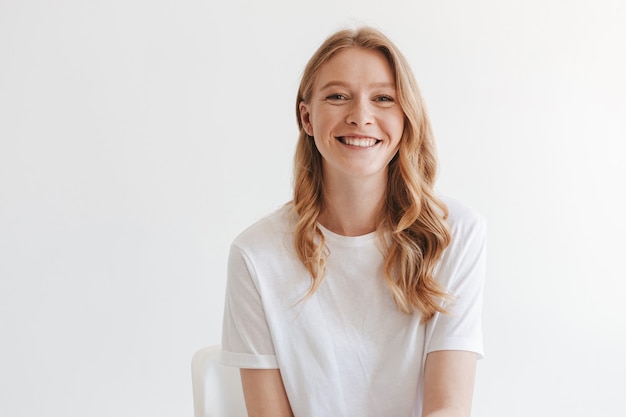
{"x":320,"y":146}
{"x":396,"y":126}
{"x":323,"y":123}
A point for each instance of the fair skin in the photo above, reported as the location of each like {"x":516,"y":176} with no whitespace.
{"x":357,"y":124}
{"x":264,"y":393}
{"x":448,"y":387}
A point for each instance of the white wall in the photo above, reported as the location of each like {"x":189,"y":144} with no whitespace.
{"x":137,"y":138}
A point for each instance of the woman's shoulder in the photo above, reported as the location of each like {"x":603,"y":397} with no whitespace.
{"x":462,"y":217}
{"x":268,"y":229}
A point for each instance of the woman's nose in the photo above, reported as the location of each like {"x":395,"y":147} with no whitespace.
{"x":360,"y":113}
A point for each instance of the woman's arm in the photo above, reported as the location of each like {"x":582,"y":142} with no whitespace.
{"x":264,"y":393}
{"x":449,"y":383}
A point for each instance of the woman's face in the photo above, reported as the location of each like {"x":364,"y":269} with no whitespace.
{"x":354,"y":115}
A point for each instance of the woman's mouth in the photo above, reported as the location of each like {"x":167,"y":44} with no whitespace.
{"x":361,"y":142}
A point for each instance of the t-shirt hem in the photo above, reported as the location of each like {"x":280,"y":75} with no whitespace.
{"x":246,"y":360}
{"x":458,"y":344}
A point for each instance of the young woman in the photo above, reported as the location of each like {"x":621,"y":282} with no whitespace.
{"x":362,"y":296}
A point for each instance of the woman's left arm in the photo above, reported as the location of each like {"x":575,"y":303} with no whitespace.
{"x":449,"y":383}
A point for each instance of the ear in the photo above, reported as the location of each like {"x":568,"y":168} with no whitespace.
{"x":305,"y":118}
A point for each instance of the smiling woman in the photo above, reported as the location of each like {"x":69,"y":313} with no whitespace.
{"x":354,"y":118}
{"x":363,"y":295}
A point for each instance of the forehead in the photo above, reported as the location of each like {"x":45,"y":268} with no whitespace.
{"x":356,"y":66}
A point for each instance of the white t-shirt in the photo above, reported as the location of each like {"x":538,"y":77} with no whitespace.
{"x":347,"y":350}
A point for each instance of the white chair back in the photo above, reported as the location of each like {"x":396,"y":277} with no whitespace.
{"x":217,"y":388}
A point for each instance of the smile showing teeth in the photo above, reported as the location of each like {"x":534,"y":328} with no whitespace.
{"x":360,"y":142}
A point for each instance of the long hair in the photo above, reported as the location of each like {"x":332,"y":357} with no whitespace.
{"x":412,"y":224}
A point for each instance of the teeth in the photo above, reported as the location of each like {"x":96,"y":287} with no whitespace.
{"x":361,"y":142}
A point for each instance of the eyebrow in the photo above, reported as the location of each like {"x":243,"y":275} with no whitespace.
{"x":345,"y":85}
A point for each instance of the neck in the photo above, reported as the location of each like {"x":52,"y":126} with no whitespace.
{"x":353,"y":208}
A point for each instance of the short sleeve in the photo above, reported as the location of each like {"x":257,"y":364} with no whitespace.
{"x":246,"y":337}
{"x":462,"y":272}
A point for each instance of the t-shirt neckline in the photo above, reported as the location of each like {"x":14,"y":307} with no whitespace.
{"x":347,"y":240}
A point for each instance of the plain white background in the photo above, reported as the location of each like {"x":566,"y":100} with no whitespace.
{"x":138,"y":138}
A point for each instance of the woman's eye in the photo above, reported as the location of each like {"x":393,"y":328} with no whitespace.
{"x":385,"y":98}
{"x":336,"y":97}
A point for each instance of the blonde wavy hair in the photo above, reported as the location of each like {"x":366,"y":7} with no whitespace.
{"x":412,"y":225}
